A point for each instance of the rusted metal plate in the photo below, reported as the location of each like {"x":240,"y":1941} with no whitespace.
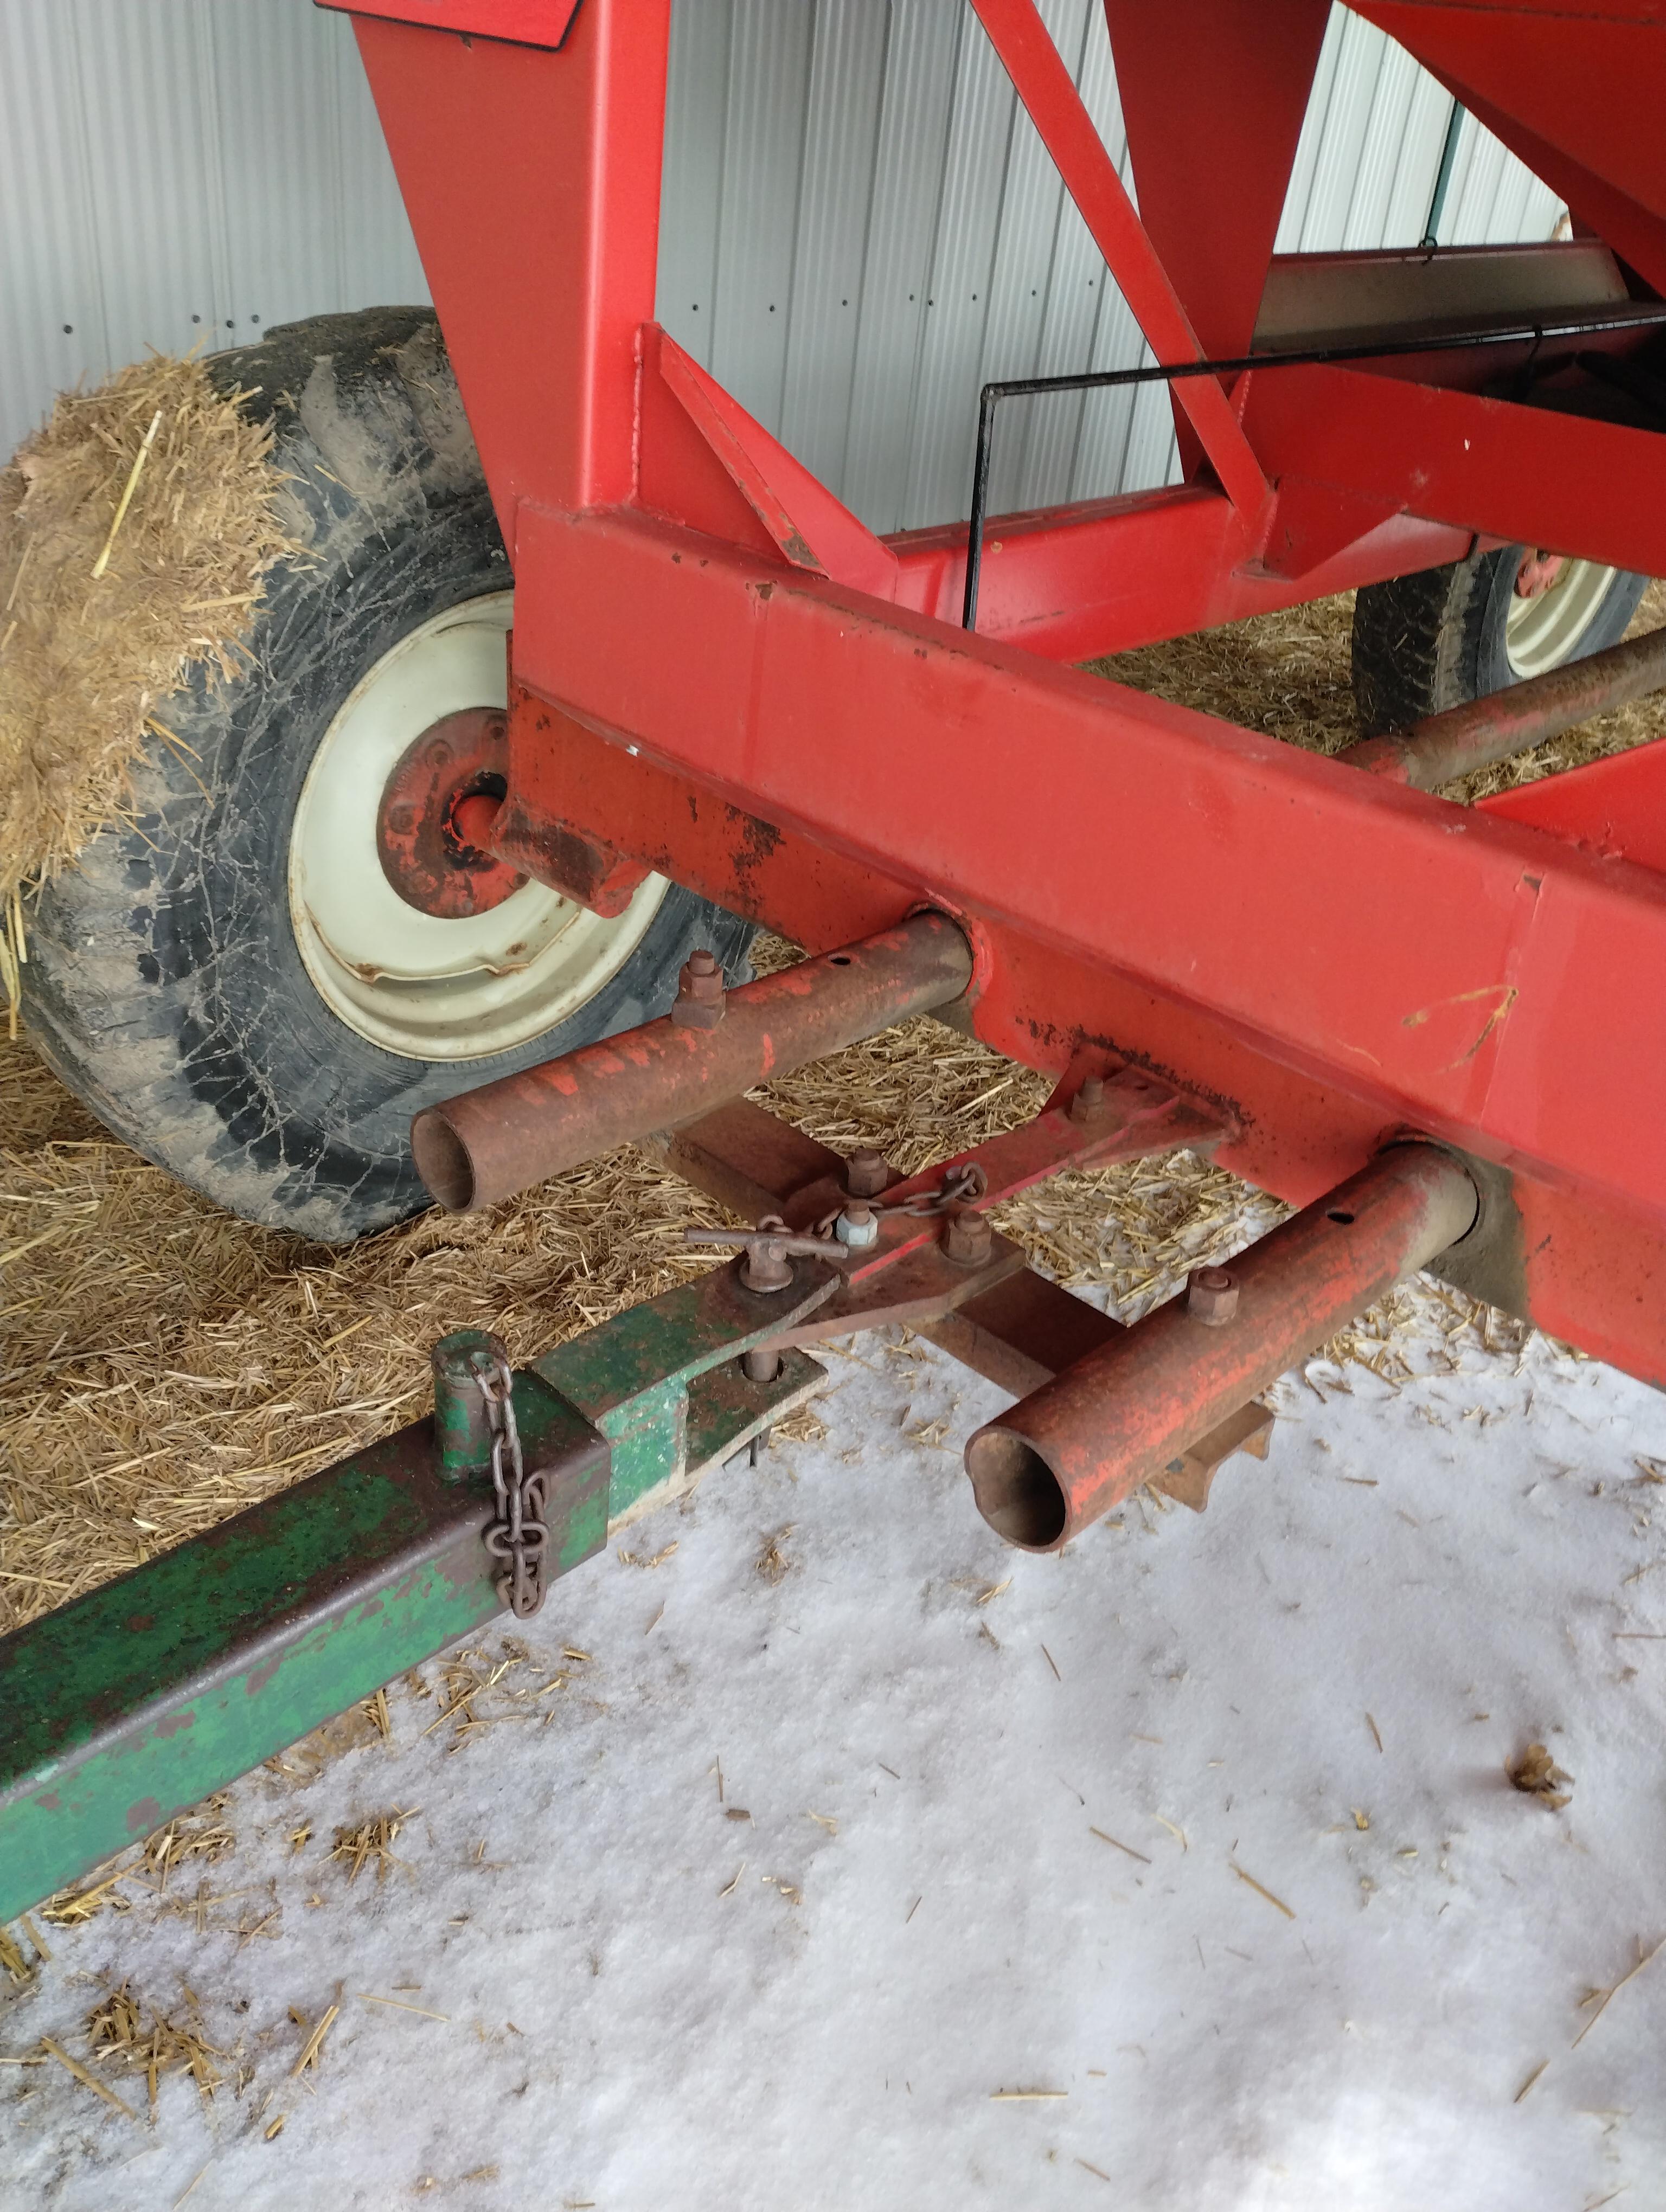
{"x":1001,"y":1319}
{"x":915,"y":1289}
{"x":1189,"y":1479}
{"x":1022,"y":1331}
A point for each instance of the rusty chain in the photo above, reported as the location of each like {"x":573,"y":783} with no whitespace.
{"x":961,"y":1186}
{"x":519,"y":1533}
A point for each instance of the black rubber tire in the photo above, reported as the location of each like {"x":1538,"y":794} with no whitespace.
{"x":1437,"y":638}
{"x":164,"y":984}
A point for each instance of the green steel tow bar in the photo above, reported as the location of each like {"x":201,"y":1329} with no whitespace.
{"x":133,"y":1703}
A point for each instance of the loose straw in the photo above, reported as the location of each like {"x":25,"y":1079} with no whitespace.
{"x":103,"y":561}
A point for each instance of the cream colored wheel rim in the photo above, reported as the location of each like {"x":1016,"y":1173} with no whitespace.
{"x":417,"y":984}
{"x":1543,"y":633}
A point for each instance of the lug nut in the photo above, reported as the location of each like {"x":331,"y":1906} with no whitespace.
{"x":1212,"y":1295}
{"x":866,"y":1172}
{"x":699,"y":1004}
{"x":858,"y":1226}
{"x":1090,"y":1100}
{"x":967,"y":1237}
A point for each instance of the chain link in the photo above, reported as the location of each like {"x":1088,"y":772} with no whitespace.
{"x":519,"y":1534}
{"x":962,"y":1185}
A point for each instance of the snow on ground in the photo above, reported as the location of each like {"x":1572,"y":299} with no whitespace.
{"x":806,"y":1993}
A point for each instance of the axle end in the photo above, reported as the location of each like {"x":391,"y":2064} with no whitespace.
{"x":442,"y":1160}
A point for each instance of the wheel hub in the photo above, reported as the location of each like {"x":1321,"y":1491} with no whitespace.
{"x":414,"y":934}
{"x":436,"y":812}
{"x":1537,"y":573}
{"x":1554,"y":602}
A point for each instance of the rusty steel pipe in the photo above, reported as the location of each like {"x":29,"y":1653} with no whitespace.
{"x":1127,"y":1411}
{"x":486,"y":1144}
{"x":1451,"y":743}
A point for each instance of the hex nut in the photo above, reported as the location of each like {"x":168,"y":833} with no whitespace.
{"x":858,"y":1226}
{"x":1212,"y":1295}
{"x":967,"y":1237}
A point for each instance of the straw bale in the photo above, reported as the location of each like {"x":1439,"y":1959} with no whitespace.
{"x":135,"y":528}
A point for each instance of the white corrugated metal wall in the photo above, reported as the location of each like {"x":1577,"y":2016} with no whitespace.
{"x":860,"y":224}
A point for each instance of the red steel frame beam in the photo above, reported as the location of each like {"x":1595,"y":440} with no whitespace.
{"x":721,"y":674}
{"x":1102,"y":575}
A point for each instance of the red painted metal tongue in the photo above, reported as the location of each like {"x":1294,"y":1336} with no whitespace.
{"x":436,"y":815}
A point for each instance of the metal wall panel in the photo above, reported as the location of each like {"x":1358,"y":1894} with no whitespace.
{"x":860,"y":225}
{"x":176,"y":172}
{"x":836,"y":204}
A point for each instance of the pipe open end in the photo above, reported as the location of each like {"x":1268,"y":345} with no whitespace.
{"x":1017,"y":1491}
{"x":443,"y":1160}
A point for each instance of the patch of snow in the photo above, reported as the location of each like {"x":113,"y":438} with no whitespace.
{"x":651,"y":2002}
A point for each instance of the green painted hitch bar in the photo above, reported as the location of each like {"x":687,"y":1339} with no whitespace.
{"x":135,"y":1702}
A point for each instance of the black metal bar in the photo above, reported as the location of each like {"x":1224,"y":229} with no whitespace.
{"x":1111,"y":379}
{"x":1431,"y":237}
{"x":986,"y":432}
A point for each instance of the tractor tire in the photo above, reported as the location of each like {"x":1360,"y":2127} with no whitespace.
{"x":231,"y":979}
{"x":1443,"y":636}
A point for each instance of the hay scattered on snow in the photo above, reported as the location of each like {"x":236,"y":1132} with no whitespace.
{"x":135,"y":528}
{"x":370,"y":1844}
{"x":1537,"y":1774}
{"x":118,"y":2031}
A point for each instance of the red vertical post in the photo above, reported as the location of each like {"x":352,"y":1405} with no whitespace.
{"x":531,"y":178}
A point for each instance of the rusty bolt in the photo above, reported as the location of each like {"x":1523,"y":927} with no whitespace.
{"x":967,"y":1237}
{"x":1090,"y":1100}
{"x":1212,"y":1295}
{"x":699,"y":1004}
{"x":762,"y":1364}
{"x":866,"y":1172}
